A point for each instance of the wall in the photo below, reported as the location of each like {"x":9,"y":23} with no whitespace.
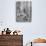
{"x":39,"y":18}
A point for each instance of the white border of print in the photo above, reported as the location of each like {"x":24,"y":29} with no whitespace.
{"x":23,"y":0}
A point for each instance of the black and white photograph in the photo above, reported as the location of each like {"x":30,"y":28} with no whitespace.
{"x":23,"y":11}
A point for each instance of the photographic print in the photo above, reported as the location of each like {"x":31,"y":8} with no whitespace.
{"x":23,"y":11}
